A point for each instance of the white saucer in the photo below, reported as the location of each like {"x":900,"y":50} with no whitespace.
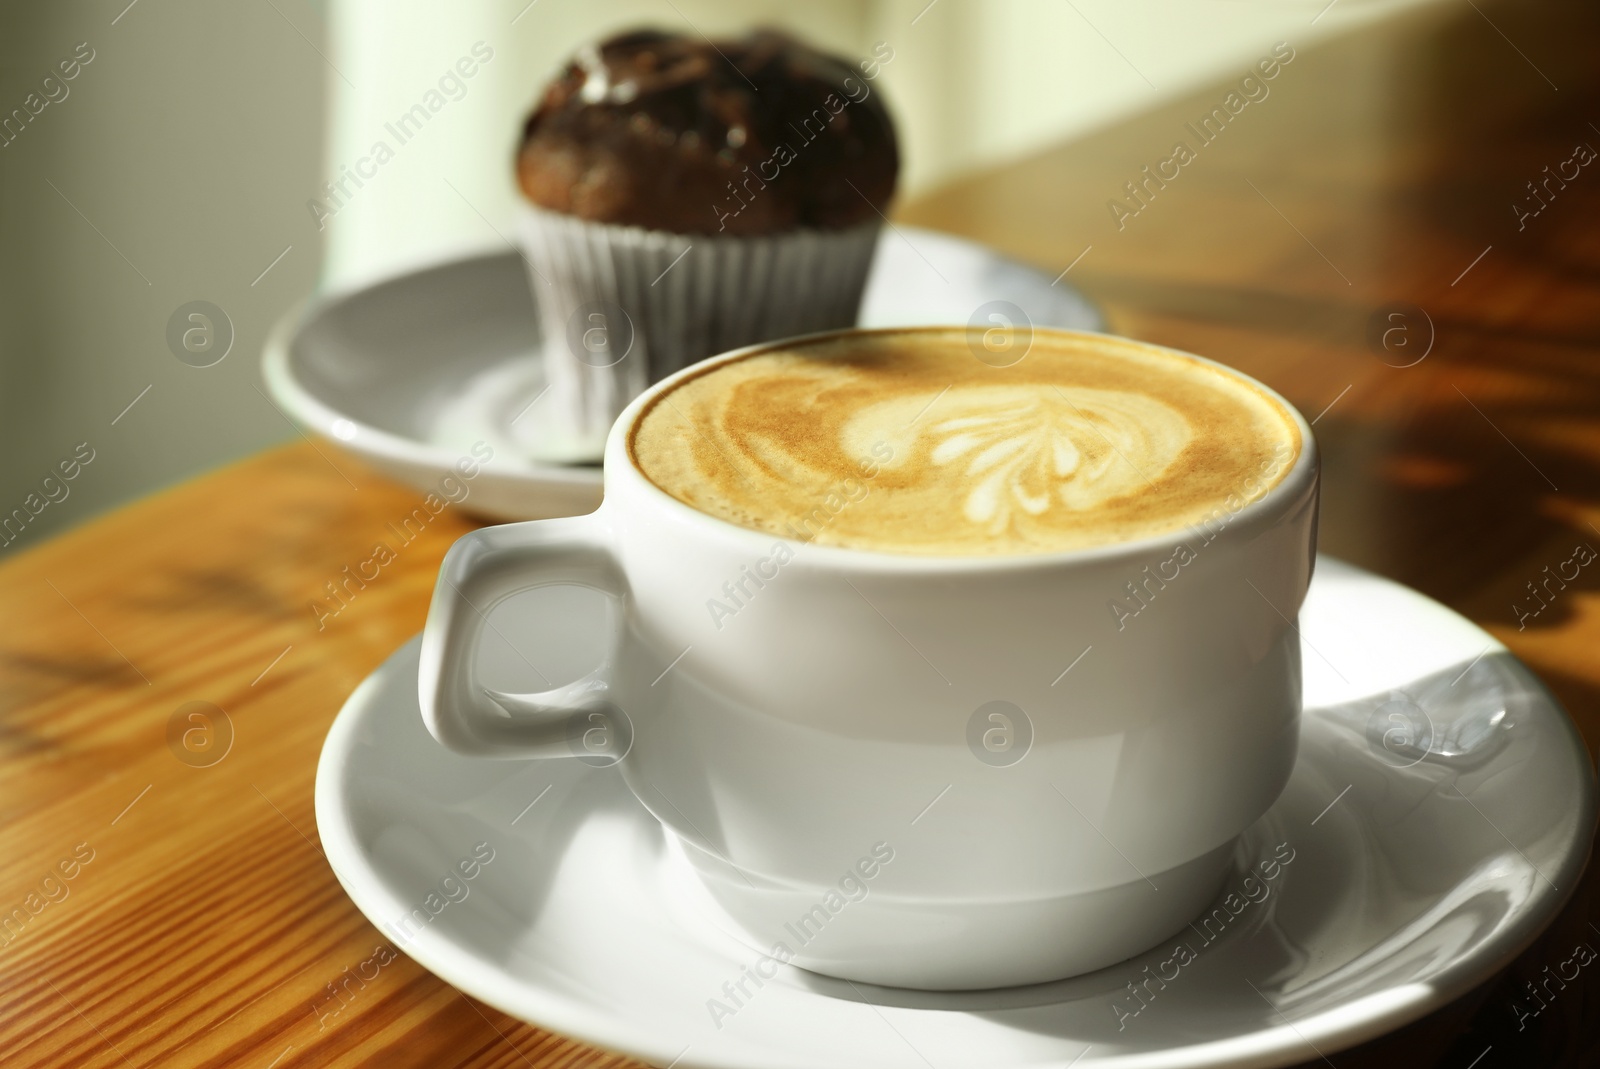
{"x":1415,"y":873}
{"x":411,"y":372}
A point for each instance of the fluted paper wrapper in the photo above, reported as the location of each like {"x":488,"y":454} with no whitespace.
{"x":621,"y":307}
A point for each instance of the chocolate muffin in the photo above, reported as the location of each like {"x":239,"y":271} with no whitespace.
{"x":683,"y":197}
{"x":677,"y":133}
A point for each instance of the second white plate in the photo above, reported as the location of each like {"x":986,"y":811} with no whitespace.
{"x":413,"y":372}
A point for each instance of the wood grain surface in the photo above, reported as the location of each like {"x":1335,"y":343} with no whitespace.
{"x":176,"y":915}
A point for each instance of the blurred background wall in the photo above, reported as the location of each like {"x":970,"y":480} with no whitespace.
{"x":173,"y":167}
{"x":182,"y":160}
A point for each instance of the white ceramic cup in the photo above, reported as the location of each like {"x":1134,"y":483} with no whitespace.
{"x":929,"y":772}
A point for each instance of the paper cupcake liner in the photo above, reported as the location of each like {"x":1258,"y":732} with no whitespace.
{"x":621,"y":307}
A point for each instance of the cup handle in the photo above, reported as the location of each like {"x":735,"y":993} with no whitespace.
{"x":481,"y":570}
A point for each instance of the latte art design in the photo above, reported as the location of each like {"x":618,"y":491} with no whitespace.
{"x":1012,"y":452}
{"x":899,"y":441}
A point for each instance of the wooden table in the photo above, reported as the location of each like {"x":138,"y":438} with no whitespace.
{"x":1380,"y":172}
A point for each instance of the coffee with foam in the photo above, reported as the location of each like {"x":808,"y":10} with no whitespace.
{"x":901,"y":441}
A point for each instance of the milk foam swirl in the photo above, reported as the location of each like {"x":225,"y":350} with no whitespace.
{"x":900,"y":441}
{"x":1015,"y":451}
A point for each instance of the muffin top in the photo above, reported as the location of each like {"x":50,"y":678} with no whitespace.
{"x":744,"y":137}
